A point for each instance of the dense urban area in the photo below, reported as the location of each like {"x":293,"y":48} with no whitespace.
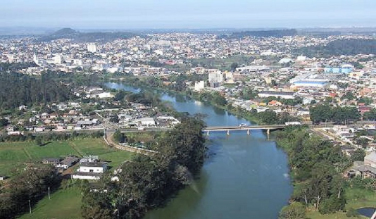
{"x":68,"y":134}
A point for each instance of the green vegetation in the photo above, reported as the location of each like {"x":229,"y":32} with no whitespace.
{"x":148,"y":182}
{"x":340,"y":115}
{"x":293,"y":211}
{"x":226,"y":64}
{"x":340,"y":47}
{"x":19,"y":89}
{"x":87,"y":37}
{"x":14,"y":155}
{"x":25,"y":189}
{"x":263,"y":33}
{"x":317,"y":166}
{"x":316,"y":169}
{"x":64,"y":204}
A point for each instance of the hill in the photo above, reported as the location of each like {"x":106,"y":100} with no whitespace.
{"x":340,"y":47}
{"x":86,"y":37}
{"x":262,"y":33}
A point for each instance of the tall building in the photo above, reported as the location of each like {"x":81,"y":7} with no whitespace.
{"x":35,"y":59}
{"x":91,"y":47}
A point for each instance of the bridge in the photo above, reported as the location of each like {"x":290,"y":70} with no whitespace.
{"x":227,"y":129}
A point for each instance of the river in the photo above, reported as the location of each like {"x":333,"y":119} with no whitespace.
{"x":245,"y":176}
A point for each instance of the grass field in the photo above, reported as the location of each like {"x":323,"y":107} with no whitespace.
{"x":64,"y":204}
{"x":357,"y":198}
{"x":13,"y":155}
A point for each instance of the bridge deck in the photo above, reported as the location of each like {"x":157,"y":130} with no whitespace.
{"x":255,"y":127}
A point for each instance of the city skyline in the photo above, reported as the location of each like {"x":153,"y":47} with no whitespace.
{"x":114,"y":14}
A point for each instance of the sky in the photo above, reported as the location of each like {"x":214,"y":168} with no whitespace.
{"x":194,"y":14}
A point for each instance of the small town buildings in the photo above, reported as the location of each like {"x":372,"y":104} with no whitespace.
{"x":364,"y":169}
{"x":146,"y":121}
{"x":53,"y":161}
{"x":282,"y":95}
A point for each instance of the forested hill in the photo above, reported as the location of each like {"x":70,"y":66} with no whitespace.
{"x":18,"y":89}
{"x":262,"y":33}
{"x":86,"y":37}
{"x":340,"y":47}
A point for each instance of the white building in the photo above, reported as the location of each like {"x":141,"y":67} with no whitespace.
{"x":199,"y":85}
{"x":147,"y":121}
{"x":90,"y":170}
{"x":215,"y":77}
{"x":283,"y":95}
{"x":91,"y":47}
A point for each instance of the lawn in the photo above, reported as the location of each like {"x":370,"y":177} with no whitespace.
{"x":15,"y":154}
{"x":64,"y":204}
{"x":52,"y":149}
{"x":90,"y":146}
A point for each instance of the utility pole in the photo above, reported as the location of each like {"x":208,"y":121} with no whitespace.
{"x":29,"y":206}
{"x":49,"y":197}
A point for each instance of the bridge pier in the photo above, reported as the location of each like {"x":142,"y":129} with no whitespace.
{"x":207,"y":133}
{"x":268,"y":133}
{"x":228,"y":132}
{"x":248,"y":132}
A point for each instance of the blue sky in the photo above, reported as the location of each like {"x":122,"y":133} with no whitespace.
{"x":129,"y":14}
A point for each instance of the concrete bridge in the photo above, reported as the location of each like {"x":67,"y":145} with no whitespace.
{"x":227,"y":129}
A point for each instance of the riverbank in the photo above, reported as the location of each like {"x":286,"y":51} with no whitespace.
{"x":312,"y":212}
{"x":239,"y":179}
{"x":316,"y":171}
{"x":252,"y":117}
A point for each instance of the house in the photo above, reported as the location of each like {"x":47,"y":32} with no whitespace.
{"x":146,"y":121}
{"x":2,"y":178}
{"x":92,"y":167}
{"x":364,"y":109}
{"x":68,"y":162}
{"x":90,"y":170}
{"x":274,"y":103}
{"x":364,"y":169}
{"x":53,"y":161}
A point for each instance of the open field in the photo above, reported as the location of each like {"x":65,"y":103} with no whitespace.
{"x":64,"y":204}
{"x":14,"y":155}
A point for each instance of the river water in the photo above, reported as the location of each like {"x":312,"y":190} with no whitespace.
{"x":245,"y":176}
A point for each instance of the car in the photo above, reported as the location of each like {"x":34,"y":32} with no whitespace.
{"x":243,"y":125}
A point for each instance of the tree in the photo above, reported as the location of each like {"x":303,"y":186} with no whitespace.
{"x":320,"y":113}
{"x":119,"y":137}
{"x":3,"y":122}
{"x":332,"y":205}
{"x":293,"y":211}
{"x":120,"y":95}
{"x":219,"y":99}
{"x":268,"y":117}
{"x":233,"y":66}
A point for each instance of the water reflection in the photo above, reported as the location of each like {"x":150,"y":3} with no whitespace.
{"x":245,"y":176}
{"x":368,"y":212}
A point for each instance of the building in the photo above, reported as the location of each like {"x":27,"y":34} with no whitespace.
{"x":215,"y":77}
{"x":282,"y":95}
{"x":90,"y":169}
{"x":344,"y":69}
{"x":147,"y":121}
{"x":366,"y":169}
{"x":310,"y":84}
{"x":91,"y":47}
{"x":199,"y":85}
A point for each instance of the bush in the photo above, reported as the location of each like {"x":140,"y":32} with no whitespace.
{"x":352,"y":213}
